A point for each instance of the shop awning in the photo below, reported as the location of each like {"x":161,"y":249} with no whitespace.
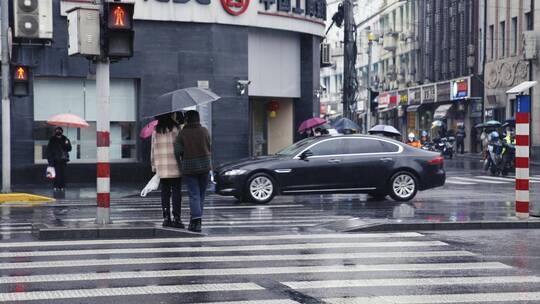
{"x":442,"y":111}
{"x":413,"y":108}
{"x":386,"y":109}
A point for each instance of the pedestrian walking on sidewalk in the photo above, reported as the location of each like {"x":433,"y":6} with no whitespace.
{"x":165,"y":165}
{"x":193,"y":147}
{"x":58,"y":150}
{"x":460,"y":139}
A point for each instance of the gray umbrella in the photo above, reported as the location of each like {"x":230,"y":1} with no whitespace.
{"x":180,"y":100}
{"x":384,"y":129}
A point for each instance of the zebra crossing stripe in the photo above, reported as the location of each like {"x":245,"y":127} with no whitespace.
{"x":496,"y":178}
{"x":284,"y":301}
{"x":267,"y":247}
{"x":386,"y":254}
{"x":478,"y":180}
{"x":126,"y":291}
{"x":448,"y":181}
{"x":219,"y":207}
{"x":330,"y":236}
{"x":69,"y":277}
{"x":494,"y":297}
{"x":413,"y":282}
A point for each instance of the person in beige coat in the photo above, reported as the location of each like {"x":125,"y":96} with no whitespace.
{"x":165,"y":165}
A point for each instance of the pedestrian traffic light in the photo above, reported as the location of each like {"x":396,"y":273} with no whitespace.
{"x":119,"y":29}
{"x":373,"y":100}
{"x":21,"y":83}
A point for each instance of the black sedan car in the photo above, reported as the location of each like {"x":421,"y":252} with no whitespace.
{"x":334,"y":164}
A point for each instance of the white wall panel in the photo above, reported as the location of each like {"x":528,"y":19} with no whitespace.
{"x":274,"y":63}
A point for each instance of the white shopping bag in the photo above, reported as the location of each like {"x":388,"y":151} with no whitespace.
{"x":152,"y":185}
{"x":50,"y":173}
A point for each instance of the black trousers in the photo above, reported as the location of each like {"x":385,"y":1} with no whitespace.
{"x":460,"y":146}
{"x":171,"y":187}
{"x":60,"y":179}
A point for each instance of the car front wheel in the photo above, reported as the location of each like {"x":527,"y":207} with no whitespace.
{"x":260,"y":188}
{"x":403,"y":186}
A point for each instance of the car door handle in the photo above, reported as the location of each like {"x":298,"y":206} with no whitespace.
{"x":334,"y":161}
{"x":385,"y":159}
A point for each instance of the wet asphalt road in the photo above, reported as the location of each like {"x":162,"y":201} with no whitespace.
{"x":277,"y":254}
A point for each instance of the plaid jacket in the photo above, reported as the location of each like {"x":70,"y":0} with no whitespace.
{"x":162,"y":155}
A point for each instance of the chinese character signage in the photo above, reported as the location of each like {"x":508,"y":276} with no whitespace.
{"x":383,"y":101}
{"x":443,"y":91}
{"x":460,"y":89}
{"x":403,"y":97}
{"x":415,"y":96}
{"x":428,"y":94}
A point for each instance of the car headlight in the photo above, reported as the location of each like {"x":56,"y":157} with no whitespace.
{"x":235,"y":172}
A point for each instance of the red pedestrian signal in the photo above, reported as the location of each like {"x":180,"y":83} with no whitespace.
{"x":21,"y":80}
{"x":21,"y":73}
{"x":119,"y":31}
{"x":120,"y":16}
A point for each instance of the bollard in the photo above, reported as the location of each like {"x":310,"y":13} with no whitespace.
{"x":522,"y":155}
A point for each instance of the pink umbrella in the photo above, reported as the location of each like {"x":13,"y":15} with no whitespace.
{"x":148,"y":129}
{"x":68,"y":120}
{"x":311,"y":123}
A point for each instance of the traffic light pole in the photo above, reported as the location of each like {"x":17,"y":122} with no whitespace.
{"x":6,"y":109}
{"x":103,"y":142}
{"x":368,"y":108}
{"x":348,"y":60}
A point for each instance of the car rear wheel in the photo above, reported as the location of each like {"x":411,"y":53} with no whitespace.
{"x":403,"y":186}
{"x":260,"y":188}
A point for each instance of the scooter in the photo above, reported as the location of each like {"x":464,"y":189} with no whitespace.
{"x":494,"y":161}
{"x":445,"y":146}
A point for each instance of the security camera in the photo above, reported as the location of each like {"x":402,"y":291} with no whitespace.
{"x":244,"y":82}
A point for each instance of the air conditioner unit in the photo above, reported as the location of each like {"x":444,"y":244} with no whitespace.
{"x":33,"y":19}
{"x":471,"y":62}
{"x":529,"y":45}
{"x":325,"y":55}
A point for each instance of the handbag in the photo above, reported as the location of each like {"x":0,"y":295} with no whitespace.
{"x":50,"y":173}
{"x":152,"y":185}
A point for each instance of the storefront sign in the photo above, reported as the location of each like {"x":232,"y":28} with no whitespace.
{"x":403,"y":97}
{"x":393,"y":99}
{"x":303,"y":16}
{"x":383,"y":101}
{"x":428,"y":94}
{"x":460,"y":88}
{"x":443,"y":91}
{"x":415,"y":96}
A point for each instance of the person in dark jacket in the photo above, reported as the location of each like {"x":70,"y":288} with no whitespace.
{"x":460,"y":139}
{"x":193,"y":148}
{"x":58,"y":156}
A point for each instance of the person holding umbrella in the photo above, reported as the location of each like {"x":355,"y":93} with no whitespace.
{"x":58,"y":150}
{"x":193,"y":147}
{"x":165,"y":165}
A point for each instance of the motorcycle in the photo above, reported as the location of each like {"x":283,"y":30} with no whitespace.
{"x":445,"y":146}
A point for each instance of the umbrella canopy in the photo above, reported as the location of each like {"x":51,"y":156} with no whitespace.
{"x":311,"y":123}
{"x":493,"y":123}
{"x":345,"y":124}
{"x":384,"y":129}
{"x":148,"y":129}
{"x":437,"y":123}
{"x":509,"y":122}
{"x":181,"y":100}
{"x":68,"y":120}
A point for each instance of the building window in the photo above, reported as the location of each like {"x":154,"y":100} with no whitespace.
{"x":514,"y":39}
{"x":502,"y":40}
{"x":491,"y":42}
{"x":529,"y":21}
{"x":78,"y":96}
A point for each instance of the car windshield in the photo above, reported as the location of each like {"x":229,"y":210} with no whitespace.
{"x":296,"y":147}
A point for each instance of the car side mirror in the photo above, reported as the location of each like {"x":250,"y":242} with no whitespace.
{"x":306,"y":154}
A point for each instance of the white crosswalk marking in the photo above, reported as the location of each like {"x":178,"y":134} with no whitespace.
{"x":246,"y":269}
{"x":494,"y":297}
{"x":477,"y":180}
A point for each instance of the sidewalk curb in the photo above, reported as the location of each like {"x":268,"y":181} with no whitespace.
{"x":446,"y":226}
{"x":47,"y":232}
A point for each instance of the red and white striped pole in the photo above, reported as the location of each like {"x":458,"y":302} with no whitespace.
{"x":103,"y":143}
{"x":522,"y":155}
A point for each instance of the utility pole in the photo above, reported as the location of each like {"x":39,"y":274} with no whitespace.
{"x":349,"y":59}
{"x":368,"y":107}
{"x":103,"y":136}
{"x":6,"y":109}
